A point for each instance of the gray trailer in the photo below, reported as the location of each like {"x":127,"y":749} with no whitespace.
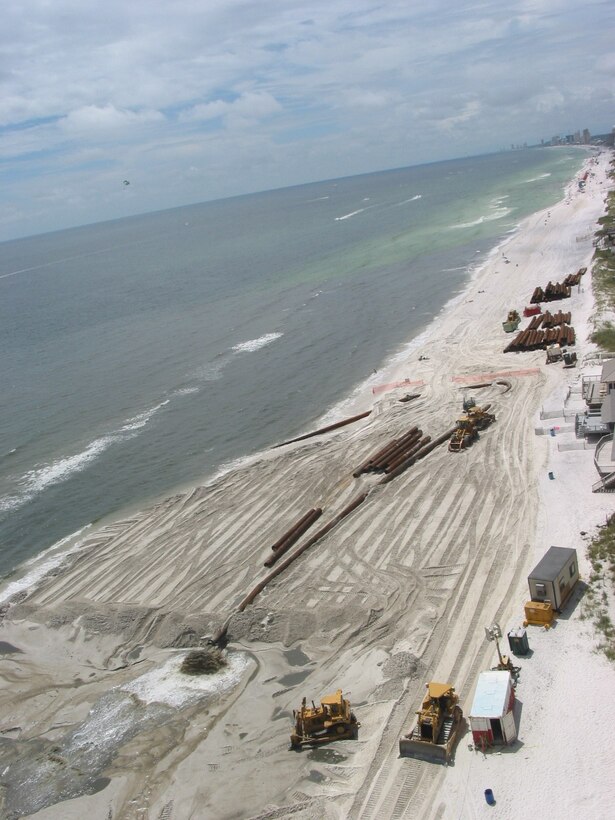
{"x":554,"y":577}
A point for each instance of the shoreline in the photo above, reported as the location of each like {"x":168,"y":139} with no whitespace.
{"x":396,"y":595}
{"x":359,"y":399}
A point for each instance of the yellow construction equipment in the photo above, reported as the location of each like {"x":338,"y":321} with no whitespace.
{"x":480,"y":418}
{"x":475,"y":419}
{"x":332,"y":720}
{"x":539,"y":613}
{"x":437,"y":726}
{"x":512,"y":321}
{"x":463,"y":435}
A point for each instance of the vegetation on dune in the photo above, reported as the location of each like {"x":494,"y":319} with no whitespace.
{"x":598,"y":599}
{"x":603,"y":271}
{"x":601,"y":586}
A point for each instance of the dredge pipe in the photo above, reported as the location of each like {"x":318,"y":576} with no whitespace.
{"x":373,"y":459}
{"x":392,"y":453}
{"x":326,"y":429}
{"x":299,"y":551}
{"x":402,"y":445}
{"x":422,"y":452}
{"x":408,"y":453}
{"x":293,"y":539}
{"x":289,"y":532}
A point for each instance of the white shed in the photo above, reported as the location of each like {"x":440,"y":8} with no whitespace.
{"x":491,"y":718}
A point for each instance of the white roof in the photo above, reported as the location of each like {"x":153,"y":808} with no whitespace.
{"x":491,"y":696}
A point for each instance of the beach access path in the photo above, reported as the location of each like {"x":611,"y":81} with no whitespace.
{"x":395,"y":595}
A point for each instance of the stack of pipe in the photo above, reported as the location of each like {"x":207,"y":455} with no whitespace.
{"x":553,"y":291}
{"x":548,"y":319}
{"x":391,"y":454}
{"x":420,"y":452}
{"x":575,"y":278}
{"x":292,"y":535}
{"x":533,"y":339}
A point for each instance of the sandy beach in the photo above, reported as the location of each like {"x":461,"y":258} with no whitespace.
{"x":397,"y":594}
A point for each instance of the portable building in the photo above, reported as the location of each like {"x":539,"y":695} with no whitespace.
{"x":554,"y":577}
{"x":492,"y":719}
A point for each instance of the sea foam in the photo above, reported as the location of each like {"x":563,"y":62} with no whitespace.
{"x":166,"y":684}
{"x":256,"y":344}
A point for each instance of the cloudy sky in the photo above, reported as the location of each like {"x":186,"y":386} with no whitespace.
{"x":191,"y":100}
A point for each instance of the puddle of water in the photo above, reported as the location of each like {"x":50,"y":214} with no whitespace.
{"x":326,"y":756}
{"x":316,"y":777}
{"x":279,"y":713}
{"x":134,"y":653}
{"x":7,"y":648}
{"x":295,"y":677}
{"x":296,"y":657}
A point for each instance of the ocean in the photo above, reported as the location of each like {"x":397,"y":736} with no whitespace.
{"x":146,"y":354}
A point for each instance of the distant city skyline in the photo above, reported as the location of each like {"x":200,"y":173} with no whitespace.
{"x":194,"y":102}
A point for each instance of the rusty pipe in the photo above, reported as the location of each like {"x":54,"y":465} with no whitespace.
{"x":422,"y":452}
{"x":299,"y":551}
{"x":283,"y":549}
{"x":289,"y":532}
{"x":326,"y":429}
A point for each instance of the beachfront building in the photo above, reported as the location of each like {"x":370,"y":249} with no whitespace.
{"x":492,"y":719}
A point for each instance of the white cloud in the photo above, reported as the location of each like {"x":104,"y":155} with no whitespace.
{"x":280,"y":91}
{"x":248,"y":106}
{"x":96,"y":119}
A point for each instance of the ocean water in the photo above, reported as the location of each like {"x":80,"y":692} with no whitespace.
{"x":148,"y":353}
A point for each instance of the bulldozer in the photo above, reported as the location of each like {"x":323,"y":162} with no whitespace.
{"x":438,"y":724}
{"x":333,"y":719}
{"x":463,"y":435}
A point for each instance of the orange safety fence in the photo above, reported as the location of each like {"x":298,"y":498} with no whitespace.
{"x":503,"y":374}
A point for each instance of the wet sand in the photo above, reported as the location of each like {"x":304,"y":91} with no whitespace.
{"x":396,"y":594}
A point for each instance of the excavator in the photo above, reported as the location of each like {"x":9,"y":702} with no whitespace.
{"x":438,"y":724}
{"x":333,"y":719}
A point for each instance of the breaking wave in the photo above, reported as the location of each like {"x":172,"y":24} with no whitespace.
{"x":256,"y":344}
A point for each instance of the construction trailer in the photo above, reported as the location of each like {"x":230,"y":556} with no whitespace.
{"x":492,"y":720}
{"x":554,"y":577}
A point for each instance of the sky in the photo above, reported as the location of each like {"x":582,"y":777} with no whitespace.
{"x":193,"y":100}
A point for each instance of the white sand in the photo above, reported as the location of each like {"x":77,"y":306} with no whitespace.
{"x":397,"y":594}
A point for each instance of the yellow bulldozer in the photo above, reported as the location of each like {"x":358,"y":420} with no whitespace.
{"x":437,"y":726}
{"x":464,"y":434}
{"x":333,"y":719}
{"x":467,"y":426}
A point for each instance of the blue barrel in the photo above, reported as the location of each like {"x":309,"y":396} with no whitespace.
{"x":489,"y":797}
{"x":551,"y":476}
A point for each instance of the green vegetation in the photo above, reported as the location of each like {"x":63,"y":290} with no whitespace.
{"x":604,"y":337}
{"x":601,"y":586}
{"x":601,"y":551}
{"x":603,"y":271}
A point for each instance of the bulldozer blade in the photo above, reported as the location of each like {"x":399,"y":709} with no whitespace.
{"x":432,"y":752}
